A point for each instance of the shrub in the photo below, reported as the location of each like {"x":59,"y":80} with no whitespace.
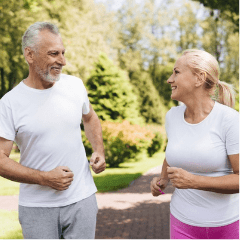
{"x":156,"y":145}
{"x":123,"y":141}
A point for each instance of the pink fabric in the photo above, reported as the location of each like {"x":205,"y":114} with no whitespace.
{"x":179,"y":230}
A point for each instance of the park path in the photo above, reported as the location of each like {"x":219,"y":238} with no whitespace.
{"x":130,"y":213}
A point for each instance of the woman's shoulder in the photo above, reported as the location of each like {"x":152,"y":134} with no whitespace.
{"x":226,"y":114}
{"x":225,"y":110}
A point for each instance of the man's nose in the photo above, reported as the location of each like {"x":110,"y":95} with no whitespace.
{"x":61,"y":60}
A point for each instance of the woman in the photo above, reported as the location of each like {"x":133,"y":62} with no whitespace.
{"x":202,"y":155}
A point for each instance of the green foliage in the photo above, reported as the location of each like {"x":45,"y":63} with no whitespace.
{"x":228,"y":9}
{"x":116,"y":151}
{"x":188,"y":32}
{"x":14,"y":19}
{"x":151,"y":105}
{"x":157,"y":144}
{"x":111,"y":94}
{"x":123,"y":141}
{"x":220,"y":40}
{"x":237,"y":100}
{"x":160,"y":76}
{"x":113,"y":179}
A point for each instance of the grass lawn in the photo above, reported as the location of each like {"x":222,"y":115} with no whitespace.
{"x":10,"y":227}
{"x":8,"y":187}
{"x":116,"y":178}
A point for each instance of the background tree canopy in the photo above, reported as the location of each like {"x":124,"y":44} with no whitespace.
{"x":229,"y":9}
{"x":143,"y":39}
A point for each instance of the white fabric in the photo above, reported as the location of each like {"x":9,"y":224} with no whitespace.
{"x":202,"y":149}
{"x":45,"y":124}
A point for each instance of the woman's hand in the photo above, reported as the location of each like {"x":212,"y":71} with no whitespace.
{"x":180,"y":178}
{"x":157,"y":184}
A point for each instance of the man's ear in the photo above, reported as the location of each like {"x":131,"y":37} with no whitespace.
{"x":201,"y":78}
{"x":29,"y":55}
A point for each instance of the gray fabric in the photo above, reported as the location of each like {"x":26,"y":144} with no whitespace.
{"x":75,"y":221}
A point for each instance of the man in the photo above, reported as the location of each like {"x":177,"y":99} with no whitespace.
{"x":42,"y":114}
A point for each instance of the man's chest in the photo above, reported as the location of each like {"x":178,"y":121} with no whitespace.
{"x":49,"y":114}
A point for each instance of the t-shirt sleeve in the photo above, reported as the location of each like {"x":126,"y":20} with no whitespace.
{"x":7,"y":129}
{"x":232,"y":135}
{"x":86,"y":103}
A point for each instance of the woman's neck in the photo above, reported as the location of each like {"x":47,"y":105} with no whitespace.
{"x":198,"y":109}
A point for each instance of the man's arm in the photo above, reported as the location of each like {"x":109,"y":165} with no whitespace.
{"x":93,"y":131}
{"x":59,"y":178}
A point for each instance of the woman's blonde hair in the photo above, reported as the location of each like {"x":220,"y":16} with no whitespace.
{"x":203,"y":62}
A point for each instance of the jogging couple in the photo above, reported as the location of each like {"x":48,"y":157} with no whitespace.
{"x":42,"y":114}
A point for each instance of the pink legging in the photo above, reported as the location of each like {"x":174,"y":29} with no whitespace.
{"x":179,"y":230}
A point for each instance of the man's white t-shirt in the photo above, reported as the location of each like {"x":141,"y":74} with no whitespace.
{"x":45,"y":124}
{"x":203,"y":149}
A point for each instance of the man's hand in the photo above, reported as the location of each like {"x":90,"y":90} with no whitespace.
{"x":158,"y":184}
{"x":60,"y":178}
{"x":180,"y":178}
{"x":97,"y":162}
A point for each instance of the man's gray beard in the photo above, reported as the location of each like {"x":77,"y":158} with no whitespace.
{"x":46,"y":76}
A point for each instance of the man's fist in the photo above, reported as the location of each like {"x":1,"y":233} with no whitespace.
{"x":97,"y":162}
{"x":60,"y":178}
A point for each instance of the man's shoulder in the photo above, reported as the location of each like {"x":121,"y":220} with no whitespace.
{"x":12,"y":94}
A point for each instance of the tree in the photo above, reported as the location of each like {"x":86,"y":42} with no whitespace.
{"x":220,"y":40}
{"x":13,"y":24}
{"x":111,"y":94}
{"x":187,"y":26}
{"x":228,"y":9}
{"x":163,"y":72}
{"x":86,"y":29}
{"x":151,"y":105}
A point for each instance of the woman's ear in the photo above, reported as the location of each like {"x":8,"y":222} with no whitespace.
{"x":201,"y":78}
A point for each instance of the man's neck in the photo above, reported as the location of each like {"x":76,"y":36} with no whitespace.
{"x":37,"y":83}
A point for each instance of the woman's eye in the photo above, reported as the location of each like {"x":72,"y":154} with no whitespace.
{"x":176,"y":72}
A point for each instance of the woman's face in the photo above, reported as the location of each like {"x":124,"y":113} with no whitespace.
{"x":182,"y":81}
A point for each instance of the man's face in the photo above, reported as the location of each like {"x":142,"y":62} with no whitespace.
{"x":49,"y":56}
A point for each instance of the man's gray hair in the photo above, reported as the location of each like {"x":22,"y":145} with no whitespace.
{"x":30,"y":37}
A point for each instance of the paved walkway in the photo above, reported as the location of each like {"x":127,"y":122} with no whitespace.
{"x":127,"y":213}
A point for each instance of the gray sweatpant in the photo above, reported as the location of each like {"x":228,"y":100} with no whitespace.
{"x":75,"y":221}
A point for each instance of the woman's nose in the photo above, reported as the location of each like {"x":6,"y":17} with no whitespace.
{"x":170,"y":80}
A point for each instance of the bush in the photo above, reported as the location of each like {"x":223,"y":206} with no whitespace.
{"x":156,"y":145}
{"x":123,"y":141}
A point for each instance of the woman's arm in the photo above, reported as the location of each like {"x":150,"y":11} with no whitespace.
{"x":226,"y":184}
{"x":164,"y":174}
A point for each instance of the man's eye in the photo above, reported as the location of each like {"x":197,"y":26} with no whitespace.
{"x":176,"y":72}
{"x":55,"y":53}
